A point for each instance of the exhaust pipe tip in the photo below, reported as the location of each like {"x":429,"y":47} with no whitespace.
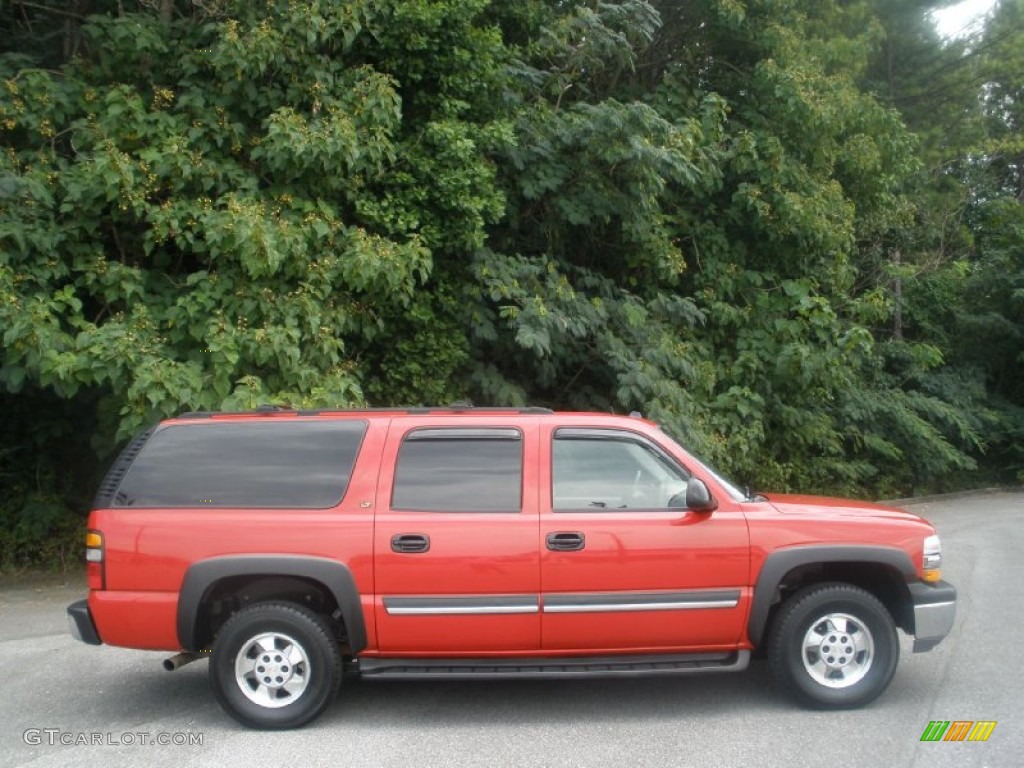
{"x":180,"y":660}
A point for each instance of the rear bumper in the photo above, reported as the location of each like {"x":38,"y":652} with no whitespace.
{"x":81,"y":624}
{"x":934,"y":612}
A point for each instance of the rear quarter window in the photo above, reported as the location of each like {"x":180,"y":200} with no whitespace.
{"x":302,"y":464}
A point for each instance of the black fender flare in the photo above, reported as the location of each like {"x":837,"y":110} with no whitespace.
{"x":781,"y":562}
{"x":333,"y":574}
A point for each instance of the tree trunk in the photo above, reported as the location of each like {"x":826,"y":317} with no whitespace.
{"x":897,"y":298}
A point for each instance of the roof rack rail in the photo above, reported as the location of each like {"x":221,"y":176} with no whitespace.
{"x":270,"y":410}
{"x":464,"y":408}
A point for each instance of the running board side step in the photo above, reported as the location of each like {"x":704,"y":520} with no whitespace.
{"x":549,"y":668}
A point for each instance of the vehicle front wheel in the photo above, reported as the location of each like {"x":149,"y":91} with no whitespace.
{"x":275,"y":665}
{"x":834,"y":646}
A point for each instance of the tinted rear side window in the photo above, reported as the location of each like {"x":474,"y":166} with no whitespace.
{"x":460,"y":470}
{"x":253,"y":464}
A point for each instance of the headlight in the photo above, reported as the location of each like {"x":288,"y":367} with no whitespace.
{"x":932,"y":560}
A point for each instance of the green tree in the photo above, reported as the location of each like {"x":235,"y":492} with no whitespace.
{"x":790,"y":231}
{"x":960,"y":256}
{"x":239,"y":204}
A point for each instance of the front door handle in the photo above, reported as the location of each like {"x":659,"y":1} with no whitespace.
{"x":565,"y":541}
{"x":410,"y":542}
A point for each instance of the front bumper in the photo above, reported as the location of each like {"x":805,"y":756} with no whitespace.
{"x":81,"y":624}
{"x":934,"y":611}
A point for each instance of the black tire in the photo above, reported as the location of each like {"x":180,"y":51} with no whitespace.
{"x":833,"y":677}
{"x":302,"y":666}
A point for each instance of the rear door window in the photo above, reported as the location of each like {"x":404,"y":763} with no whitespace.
{"x":460,"y":470}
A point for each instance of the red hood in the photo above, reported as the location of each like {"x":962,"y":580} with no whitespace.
{"x":825,"y":507}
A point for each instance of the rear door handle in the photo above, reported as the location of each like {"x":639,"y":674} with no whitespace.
{"x":410,"y":542}
{"x":565,"y":541}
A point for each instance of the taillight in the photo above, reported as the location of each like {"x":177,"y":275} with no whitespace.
{"x":94,"y":559}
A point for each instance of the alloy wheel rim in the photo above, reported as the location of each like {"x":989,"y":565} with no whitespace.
{"x":837,"y":650}
{"x":272,"y":669}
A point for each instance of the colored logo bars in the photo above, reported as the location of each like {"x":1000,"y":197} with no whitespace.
{"x":958,"y":730}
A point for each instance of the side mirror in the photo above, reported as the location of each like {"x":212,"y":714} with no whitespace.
{"x":698,"y":497}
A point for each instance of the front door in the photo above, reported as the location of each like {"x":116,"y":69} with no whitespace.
{"x":456,"y":564}
{"x":624,"y":566}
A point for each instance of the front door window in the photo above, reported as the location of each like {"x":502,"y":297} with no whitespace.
{"x":602,"y":472}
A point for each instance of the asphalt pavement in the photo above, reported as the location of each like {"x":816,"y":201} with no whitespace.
{"x":63,"y":703}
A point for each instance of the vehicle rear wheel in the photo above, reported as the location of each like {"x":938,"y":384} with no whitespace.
{"x":275,"y":665}
{"x":834,"y":646}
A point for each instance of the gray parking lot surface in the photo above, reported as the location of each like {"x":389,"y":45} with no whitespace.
{"x":66,"y":704}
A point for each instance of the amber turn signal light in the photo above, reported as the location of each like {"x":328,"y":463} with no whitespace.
{"x":94,"y":572}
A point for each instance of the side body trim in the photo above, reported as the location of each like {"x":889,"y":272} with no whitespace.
{"x":584,"y":602}
{"x":333,"y":574}
{"x":640,"y":601}
{"x":781,"y":562}
{"x":455,"y":606}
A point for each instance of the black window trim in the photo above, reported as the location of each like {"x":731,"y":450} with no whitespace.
{"x":463,"y":433}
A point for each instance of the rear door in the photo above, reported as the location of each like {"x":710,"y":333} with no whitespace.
{"x":455,"y":543}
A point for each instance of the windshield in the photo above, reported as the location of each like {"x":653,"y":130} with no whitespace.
{"x":731,"y":488}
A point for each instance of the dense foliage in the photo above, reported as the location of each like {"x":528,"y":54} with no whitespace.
{"x":791,"y":231}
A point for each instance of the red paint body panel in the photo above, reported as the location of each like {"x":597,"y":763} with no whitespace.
{"x":144,"y":620}
{"x":794,"y":521}
{"x":643,"y":551}
{"x":652,"y":552}
{"x":485,"y":553}
{"x":147,"y":552}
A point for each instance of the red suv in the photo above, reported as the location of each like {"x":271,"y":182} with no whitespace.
{"x":290,"y":546}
